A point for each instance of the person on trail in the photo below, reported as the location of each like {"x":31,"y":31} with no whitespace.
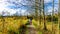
{"x":30,"y":27}
{"x":25,"y":27}
{"x":29,"y":21}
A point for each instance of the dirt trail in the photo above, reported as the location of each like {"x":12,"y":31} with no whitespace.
{"x":31,"y":30}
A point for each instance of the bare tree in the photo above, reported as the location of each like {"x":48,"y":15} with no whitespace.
{"x":45,"y":28}
{"x":36,"y":9}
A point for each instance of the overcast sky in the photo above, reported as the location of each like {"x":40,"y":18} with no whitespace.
{"x":12,"y":8}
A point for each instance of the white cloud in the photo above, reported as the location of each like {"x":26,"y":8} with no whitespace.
{"x":4,"y":4}
{"x":23,"y":12}
{"x":50,"y":9}
{"x":47,"y":1}
{"x":3,"y":0}
{"x":3,"y":7}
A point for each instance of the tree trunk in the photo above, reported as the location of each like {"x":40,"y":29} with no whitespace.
{"x":45,"y":27}
{"x":36,"y":9}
